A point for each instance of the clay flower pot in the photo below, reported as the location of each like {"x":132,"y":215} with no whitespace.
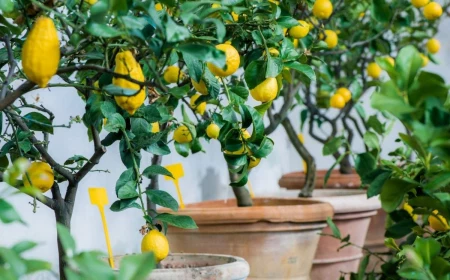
{"x":353,"y":213}
{"x":375,"y":234}
{"x":199,"y":267}
{"x":278,"y":237}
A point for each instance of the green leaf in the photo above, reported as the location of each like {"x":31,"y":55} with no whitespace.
{"x":102,"y":30}
{"x":137,"y":267}
{"x":415,"y":144}
{"x":274,"y":66}
{"x":393,"y":192}
{"x":7,"y":6}
{"x":408,"y":64}
{"x":13,"y":261}
{"x":333,"y":145}
{"x":162,"y":198}
{"x":140,"y":126}
{"x":381,"y":11}
{"x":67,"y":241}
{"x":176,"y":33}
{"x":108,"y":108}
{"x":194,"y":65}
{"x":132,"y":22}
{"x":37,"y":265}
{"x":182,"y":148}
{"x":440,"y":268}
{"x":153,"y":170}
{"x":365,"y":163}
{"x":327,"y":175}
{"x":438,"y":182}
{"x":38,"y":122}
{"x":115,"y":123}
{"x":256,"y":120}
{"x":255,"y":73}
{"x":427,"y":248}
{"x":23,"y":246}
{"x":75,"y":159}
{"x":389,"y":99}
{"x":119,"y":91}
{"x":179,"y":221}
{"x":123,"y":204}
{"x":334,"y":229}
{"x":127,"y":190}
{"x":8,"y":214}
{"x":204,"y":52}
{"x":371,"y":140}
{"x":304,"y":69}
{"x":377,"y":183}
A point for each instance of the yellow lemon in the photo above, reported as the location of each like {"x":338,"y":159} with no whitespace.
{"x":419,"y":3}
{"x":425,"y":60}
{"x":241,"y":151}
{"x":200,"y":87}
{"x":300,"y":30}
{"x":390,"y":60}
{"x":322,"y":9}
{"x":158,"y":7}
{"x":155,"y":127}
{"x":374,"y":70}
{"x":199,"y":108}
{"x":182,"y":135}
{"x":232,"y":61}
{"x":265,"y":91}
{"x":127,"y":65}
{"x":40,"y":175}
{"x":213,"y":131}
{"x":295,"y":43}
{"x":274,"y":52}
{"x":410,"y":211}
{"x":337,"y":101}
{"x":432,"y":11}
{"x":345,"y":93}
{"x":331,"y":38}
{"x":235,"y":16}
{"x":253,"y":162}
{"x":215,"y":6}
{"x":438,"y":223}
{"x":173,"y":74}
{"x":90,"y":2}
{"x":433,"y":46}
{"x":40,"y":52}
{"x":156,"y":242}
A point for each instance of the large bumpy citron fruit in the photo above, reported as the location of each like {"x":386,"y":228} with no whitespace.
{"x":127,"y":65}
{"x":419,"y":3}
{"x":200,"y":87}
{"x":438,"y":222}
{"x":265,"y":91}
{"x":299,"y":31}
{"x":40,"y":52}
{"x":374,"y":70}
{"x":39,"y":175}
{"x":213,"y":131}
{"x":322,"y":9}
{"x":331,"y":38}
{"x":432,"y":11}
{"x":232,"y":61}
{"x":199,"y":108}
{"x":182,"y":135}
{"x":433,"y":45}
{"x":156,"y":242}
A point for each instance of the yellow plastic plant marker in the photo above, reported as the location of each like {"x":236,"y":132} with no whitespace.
{"x":250,"y":189}
{"x":177,"y":172}
{"x":302,"y":140}
{"x":99,"y":197}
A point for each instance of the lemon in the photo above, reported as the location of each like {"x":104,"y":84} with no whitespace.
{"x":200,"y":87}
{"x":345,"y":93}
{"x":432,"y":11}
{"x":40,"y":52}
{"x":265,"y":91}
{"x":410,"y":210}
{"x":274,"y":52}
{"x":295,"y":43}
{"x":374,"y":70}
{"x":40,"y":175}
{"x":433,"y":46}
{"x":331,"y":38}
{"x":253,"y":162}
{"x":438,"y":223}
{"x":419,"y":3}
{"x":425,"y":60}
{"x":300,"y":30}
{"x":90,"y":2}
{"x":235,"y":16}
{"x":156,"y":242}
{"x":182,"y":135}
{"x":158,"y":7}
{"x":232,"y":61}
{"x":155,"y":127}
{"x":215,"y":6}
{"x":199,"y":108}
{"x":322,"y":9}
{"x":173,"y":74}
{"x":337,"y":101}
{"x":238,"y":152}
{"x":213,"y":131}
{"x":390,"y":60}
{"x":127,"y":65}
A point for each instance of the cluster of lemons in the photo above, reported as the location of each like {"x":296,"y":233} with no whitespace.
{"x":436,"y":221}
{"x":341,"y":97}
{"x":431,"y":10}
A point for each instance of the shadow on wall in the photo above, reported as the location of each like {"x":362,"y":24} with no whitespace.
{"x":211,"y":187}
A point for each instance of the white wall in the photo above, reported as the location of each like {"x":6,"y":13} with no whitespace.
{"x":205,"y":177}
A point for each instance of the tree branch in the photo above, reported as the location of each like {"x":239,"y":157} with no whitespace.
{"x":11,"y":97}
{"x":12,"y":66}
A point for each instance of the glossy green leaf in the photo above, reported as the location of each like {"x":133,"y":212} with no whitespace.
{"x":179,"y":221}
{"x":162,"y":198}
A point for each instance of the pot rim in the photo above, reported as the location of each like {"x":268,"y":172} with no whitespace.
{"x":293,"y":210}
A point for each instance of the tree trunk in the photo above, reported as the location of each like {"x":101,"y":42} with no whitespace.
{"x":154,"y":185}
{"x":63,"y":216}
{"x":242,"y":195}
{"x":345,"y":166}
{"x":310,"y":181}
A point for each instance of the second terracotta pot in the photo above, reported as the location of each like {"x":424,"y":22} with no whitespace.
{"x":278,"y":237}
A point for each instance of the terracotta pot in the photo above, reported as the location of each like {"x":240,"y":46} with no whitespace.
{"x":375,"y":236}
{"x":277,"y":236}
{"x":199,"y":267}
{"x":353,"y":212}
{"x":296,"y":180}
